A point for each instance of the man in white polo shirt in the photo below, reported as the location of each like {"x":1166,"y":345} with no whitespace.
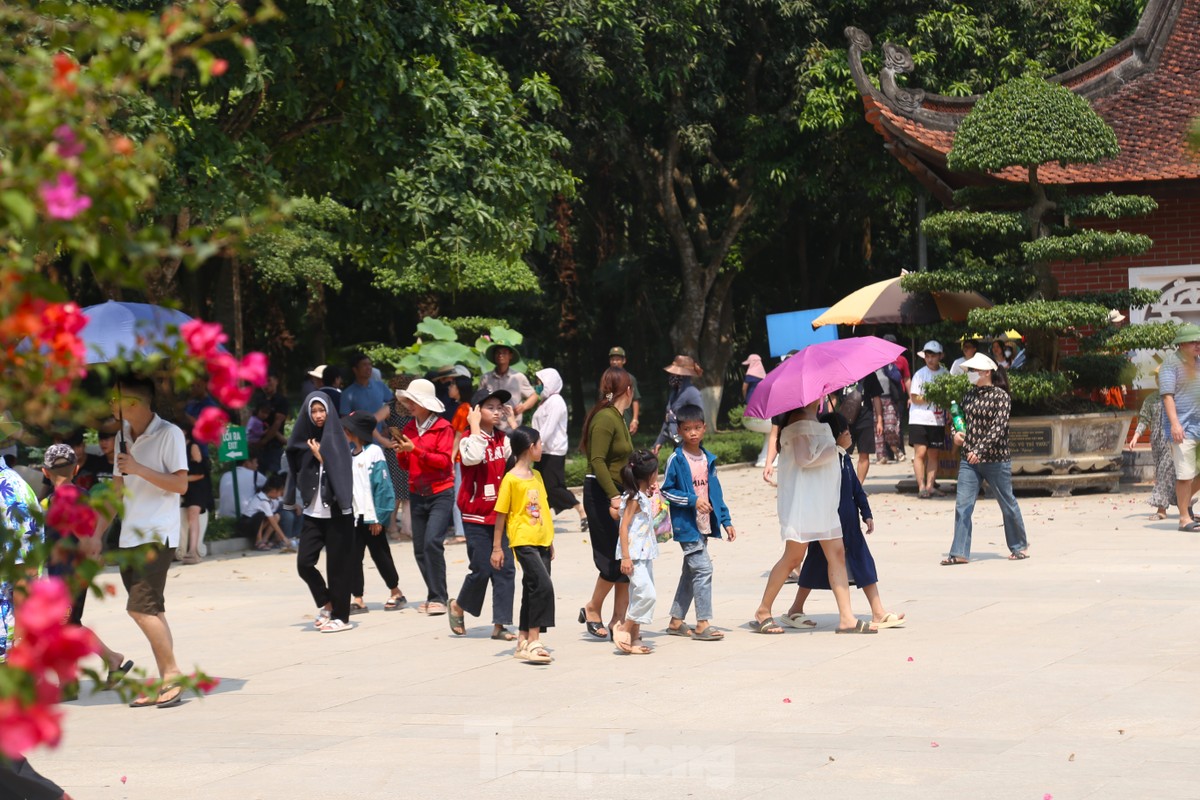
{"x":151,"y":471}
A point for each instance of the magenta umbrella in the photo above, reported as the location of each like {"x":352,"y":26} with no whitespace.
{"x":818,"y":370}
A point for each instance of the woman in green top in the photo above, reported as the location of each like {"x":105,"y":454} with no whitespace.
{"x":607,"y":445}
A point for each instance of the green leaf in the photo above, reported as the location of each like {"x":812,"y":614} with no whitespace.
{"x":431,"y":326}
{"x":20,"y":207}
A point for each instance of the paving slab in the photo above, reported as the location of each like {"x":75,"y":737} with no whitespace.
{"x":1072,"y":674}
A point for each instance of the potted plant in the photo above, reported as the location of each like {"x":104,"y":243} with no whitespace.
{"x":1003,"y":239}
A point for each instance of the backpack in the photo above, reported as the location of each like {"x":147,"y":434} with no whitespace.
{"x":895,"y":384}
{"x":850,"y":403}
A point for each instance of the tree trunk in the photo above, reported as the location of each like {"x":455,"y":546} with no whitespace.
{"x":428,"y":305}
{"x":239,"y":333}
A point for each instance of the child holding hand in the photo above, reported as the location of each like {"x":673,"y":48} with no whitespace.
{"x":637,"y":548}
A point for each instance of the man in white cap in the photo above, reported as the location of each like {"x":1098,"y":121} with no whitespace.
{"x":926,"y":422}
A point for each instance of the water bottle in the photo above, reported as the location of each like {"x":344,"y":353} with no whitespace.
{"x":956,"y":417}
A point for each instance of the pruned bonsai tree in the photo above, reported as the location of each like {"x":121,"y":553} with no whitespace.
{"x":1004,"y":238}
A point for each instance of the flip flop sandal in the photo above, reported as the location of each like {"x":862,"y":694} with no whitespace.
{"x":165,"y":701}
{"x":115,"y":676}
{"x":799,"y":621}
{"x":861,"y":627}
{"x":355,"y":608}
{"x":395,"y":603}
{"x":458,"y":623}
{"x":435,"y":609}
{"x":1020,"y":555}
{"x":503,"y":635}
{"x":709,"y":634}
{"x":1191,"y":527}
{"x":624,"y":642}
{"x":682,"y":630}
{"x":890,"y":620}
{"x":954,"y":561}
{"x":767,"y":626}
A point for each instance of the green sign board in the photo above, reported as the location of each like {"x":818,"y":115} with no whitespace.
{"x":233,"y":444}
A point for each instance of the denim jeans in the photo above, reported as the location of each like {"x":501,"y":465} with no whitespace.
{"x":430,"y":521}
{"x":695,"y":582}
{"x":999,"y":477}
{"x":291,"y":523}
{"x":480,"y":540}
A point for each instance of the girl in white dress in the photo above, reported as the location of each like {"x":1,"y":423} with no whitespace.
{"x":810,"y":483}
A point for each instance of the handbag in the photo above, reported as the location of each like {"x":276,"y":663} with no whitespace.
{"x":660,"y":517}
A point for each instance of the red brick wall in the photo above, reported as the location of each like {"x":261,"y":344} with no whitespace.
{"x":1175,"y":229}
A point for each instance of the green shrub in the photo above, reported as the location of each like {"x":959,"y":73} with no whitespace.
{"x":735,"y":416}
{"x":220,"y":528}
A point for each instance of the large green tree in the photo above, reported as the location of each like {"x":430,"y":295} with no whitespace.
{"x":385,"y":109}
{"x":722,"y":153}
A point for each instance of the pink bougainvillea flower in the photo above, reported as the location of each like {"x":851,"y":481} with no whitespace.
{"x":44,"y":608}
{"x":68,"y":515}
{"x":210,"y":425}
{"x":24,"y":727}
{"x":69,"y":145}
{"x":223,"y":371}
{"x":254,"y":369}
{"x":203,"y":338}
{"x":206,"y":684}
{"x":62,"y":198}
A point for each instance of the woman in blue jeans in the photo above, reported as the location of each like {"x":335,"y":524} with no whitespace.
{"x":986,"y":408}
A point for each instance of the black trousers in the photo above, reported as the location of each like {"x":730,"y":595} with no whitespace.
{"x":336,"y":537}
{"x":431,"y":516}
{"x":381,"y":554}
{"x":554,"y":475}
{"x":537,"y":592}
{"x":20,"y":781}
{"x":603,"y":532}
{"x":480,"y":541}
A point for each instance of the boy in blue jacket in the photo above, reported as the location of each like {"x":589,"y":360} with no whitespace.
{"x":698,"y":511}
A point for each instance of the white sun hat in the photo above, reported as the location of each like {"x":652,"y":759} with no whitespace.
{"x":979,"y":361}
{"x":423,"y":394}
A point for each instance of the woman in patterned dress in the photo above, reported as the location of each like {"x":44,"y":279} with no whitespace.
{"x":1151,"y":416}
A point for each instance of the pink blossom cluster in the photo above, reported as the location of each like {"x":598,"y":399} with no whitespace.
{"x":68,"y":515}
{"x":45,"y":646}
{"x":231,"y":381}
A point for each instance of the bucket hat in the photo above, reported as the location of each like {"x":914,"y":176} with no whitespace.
{"x":423,"y":394}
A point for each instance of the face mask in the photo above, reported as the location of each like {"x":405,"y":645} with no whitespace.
{"x":538,"y":388}
{"x":974,"y":377}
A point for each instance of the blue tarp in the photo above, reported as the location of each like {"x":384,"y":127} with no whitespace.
{"x":794,"y":331}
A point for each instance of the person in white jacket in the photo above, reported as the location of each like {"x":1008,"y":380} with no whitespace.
{"x":550,"y":420}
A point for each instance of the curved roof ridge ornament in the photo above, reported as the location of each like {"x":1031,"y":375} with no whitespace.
{"x":898,"y":60}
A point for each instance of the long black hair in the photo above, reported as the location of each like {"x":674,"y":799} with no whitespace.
{"x":642,"y":464}
{"x":520,"y":440}
{"x":1000,"y":378}
{"x":836,"y":422}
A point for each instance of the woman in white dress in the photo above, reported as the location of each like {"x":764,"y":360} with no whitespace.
{"x":810,"y":482}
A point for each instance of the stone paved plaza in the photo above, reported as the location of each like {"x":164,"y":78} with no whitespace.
{"x":1071,"y":675}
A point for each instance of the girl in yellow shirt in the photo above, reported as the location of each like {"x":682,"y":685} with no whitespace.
{"x":523,"y":509}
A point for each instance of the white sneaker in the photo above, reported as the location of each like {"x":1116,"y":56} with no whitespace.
{"x":335,"y":626}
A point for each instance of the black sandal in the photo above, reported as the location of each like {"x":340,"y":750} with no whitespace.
{"x":594,"y":628}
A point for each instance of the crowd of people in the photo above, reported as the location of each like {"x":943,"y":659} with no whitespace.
{"x":438,"y":458}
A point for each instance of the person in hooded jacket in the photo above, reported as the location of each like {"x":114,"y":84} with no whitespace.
{"x":550,"y":420}
{"x":680,"y":374}
{"x":320,"y":473}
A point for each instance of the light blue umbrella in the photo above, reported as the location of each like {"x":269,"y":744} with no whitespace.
{"x":116,"y":330}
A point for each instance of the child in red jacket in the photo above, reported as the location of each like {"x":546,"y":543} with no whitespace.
{"x":484,"y":454}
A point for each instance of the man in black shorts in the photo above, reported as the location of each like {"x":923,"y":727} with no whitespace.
{"x":926,"y":422}
{"x":151,"y":470}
